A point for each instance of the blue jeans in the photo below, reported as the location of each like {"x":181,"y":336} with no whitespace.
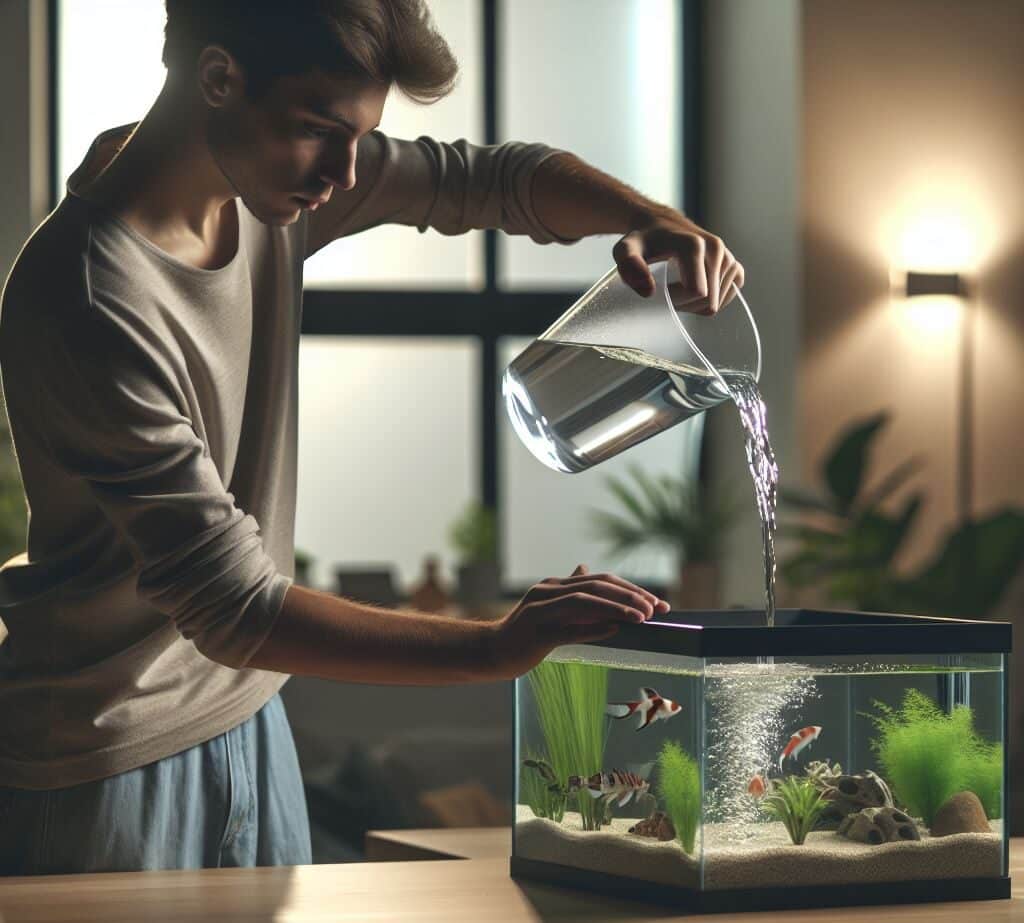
{"x":236,"y":800}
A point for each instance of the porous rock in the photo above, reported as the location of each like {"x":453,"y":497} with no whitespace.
{"x":962,"y":813}
{"x":657,"y":826}
{"x":879,"y":825}
{"x":849,"y":794}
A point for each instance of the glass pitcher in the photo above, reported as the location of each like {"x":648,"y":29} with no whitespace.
{"x":618,"y":368}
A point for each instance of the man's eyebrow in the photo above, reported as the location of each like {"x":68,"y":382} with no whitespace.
{"x":337,"y":119}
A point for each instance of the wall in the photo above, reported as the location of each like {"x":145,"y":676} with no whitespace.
{"x":752,"y":163}
{"x":912,"y":120}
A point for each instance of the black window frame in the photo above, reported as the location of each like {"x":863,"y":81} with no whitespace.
{"x":488,"y":313}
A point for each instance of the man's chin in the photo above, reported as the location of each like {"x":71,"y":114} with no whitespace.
{"x":278,"y":218}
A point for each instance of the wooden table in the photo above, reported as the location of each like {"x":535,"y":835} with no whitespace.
{"x":438,"y":843}
{"x":446,"y":891}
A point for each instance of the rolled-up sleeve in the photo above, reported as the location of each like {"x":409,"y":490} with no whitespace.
{"x":110,"y":410}
{"x":450,"y":187}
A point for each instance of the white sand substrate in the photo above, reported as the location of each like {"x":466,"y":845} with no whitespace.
{"x":765,"y":859}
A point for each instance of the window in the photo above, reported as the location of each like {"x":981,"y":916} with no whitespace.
{"x":422,"y":344}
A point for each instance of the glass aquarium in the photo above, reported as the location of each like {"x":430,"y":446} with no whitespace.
{"x":711,"y":761}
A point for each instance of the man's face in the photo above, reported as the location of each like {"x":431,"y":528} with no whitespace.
{"x":292,"y":147}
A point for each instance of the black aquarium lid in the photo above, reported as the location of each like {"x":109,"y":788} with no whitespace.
{"x":807,"y":633}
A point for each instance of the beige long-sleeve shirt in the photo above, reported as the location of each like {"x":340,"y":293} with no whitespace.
{"x":153,"y":410}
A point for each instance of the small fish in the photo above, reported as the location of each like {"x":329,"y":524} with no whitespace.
{"x":802,"y":738}
{"x":617,"y":784}
{"x":649,"y":709}
{"x":758,"y":786}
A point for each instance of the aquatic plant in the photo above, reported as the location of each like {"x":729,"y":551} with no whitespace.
{"x":678,"y":787}
{"x":570,"y":700}
{"x":798,"y":803}
{"x":928,"y":755}
{"x":539,"y":787}
{"x":983,"y":775}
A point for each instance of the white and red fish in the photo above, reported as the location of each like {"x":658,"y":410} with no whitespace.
{"x":758,"y":786}
{"x":802,"y":738}
{"x":617,"y":784}
{"x":650,"y":708}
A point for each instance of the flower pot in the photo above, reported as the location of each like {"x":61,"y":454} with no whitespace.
{"x":478,"y":583}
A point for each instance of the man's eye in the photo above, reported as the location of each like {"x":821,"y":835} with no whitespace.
{"x":316,"y":131}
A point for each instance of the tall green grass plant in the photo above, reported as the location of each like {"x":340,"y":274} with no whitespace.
{"x":570,"y":700}
{"x":678,"y":788}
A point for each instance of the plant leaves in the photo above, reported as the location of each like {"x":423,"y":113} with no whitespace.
{"x":802,"y":499}
{"x":891,"y":483}
{"x":970,"y":573}
{"x":845,"y":467}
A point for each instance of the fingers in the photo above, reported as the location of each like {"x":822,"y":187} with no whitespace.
{"x":580,"y":569}
{"x":635,"y":599}
{"x":629,"y":257}
{"x":714,"y":257}
{"x":658,"y":606}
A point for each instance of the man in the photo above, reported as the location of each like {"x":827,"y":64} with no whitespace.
{"x":148,"y":344}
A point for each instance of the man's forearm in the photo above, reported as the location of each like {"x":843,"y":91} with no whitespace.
{"x":573,"y":199}
{"x":334,"y":638}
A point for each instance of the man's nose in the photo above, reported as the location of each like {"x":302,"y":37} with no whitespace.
{"x":339,"y":169}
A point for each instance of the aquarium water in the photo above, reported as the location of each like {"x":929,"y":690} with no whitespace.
{"x":574,"y":406}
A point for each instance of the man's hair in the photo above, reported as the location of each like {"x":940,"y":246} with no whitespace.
{"x":384,"y":41}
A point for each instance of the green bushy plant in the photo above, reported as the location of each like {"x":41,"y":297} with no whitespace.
{"x":678,"y":788}
{"x":474,"y":534}
{"x":928,"y":755}
{"x":983,"y":775}
{"x":570,"y":700}
{"x":798,"y":802}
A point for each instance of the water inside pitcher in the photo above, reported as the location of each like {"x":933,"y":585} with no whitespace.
{"x":618,"y":368}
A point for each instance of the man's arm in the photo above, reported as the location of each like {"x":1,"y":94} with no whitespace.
{"x":316,"y":634}
{"x":573,"y":199}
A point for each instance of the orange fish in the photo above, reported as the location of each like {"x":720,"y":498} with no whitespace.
{"x":758,"y":786}
{"x":802,"y":738}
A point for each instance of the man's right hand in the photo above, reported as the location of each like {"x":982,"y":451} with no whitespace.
{"x":567,"y":610}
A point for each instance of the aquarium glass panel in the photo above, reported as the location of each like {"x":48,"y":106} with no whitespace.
{"x":609,"y":752}
{"x":819,"y":770}
{"x":847,"y":757}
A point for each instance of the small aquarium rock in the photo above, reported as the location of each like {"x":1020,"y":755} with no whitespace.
{"x":963,"y":813}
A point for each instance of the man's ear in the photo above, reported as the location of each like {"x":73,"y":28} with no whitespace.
{"x":221,"y":77}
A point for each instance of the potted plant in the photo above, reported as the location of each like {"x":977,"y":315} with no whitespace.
{"x":474,"y":536}
{"x":303,"y":562}
{"x":845,"y":543}
{"x":674,"y":513}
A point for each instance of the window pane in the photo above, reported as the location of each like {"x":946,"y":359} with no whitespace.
{"x":388,"y":450}
{"x":545,"y":514}
{"x":109,"y":71}
{"x":607,"y":86}
{"x":103,"y":40}
{"x":400,"y":257}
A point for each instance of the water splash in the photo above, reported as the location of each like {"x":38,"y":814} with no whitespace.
{"x":747,"y":705}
